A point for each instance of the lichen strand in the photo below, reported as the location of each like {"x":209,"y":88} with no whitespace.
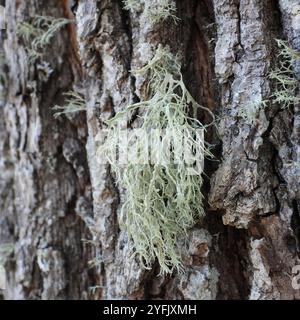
{"x":250,"y":112}
{"x":163,"y":200}
{"x":131,"y":5}
{"x":74,"y":103}
{"x":154,"y":10}
{"x":286,"y":83}
{"x":38,"y":33}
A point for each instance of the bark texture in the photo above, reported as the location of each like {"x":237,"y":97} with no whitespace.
{"x":54,"y":193}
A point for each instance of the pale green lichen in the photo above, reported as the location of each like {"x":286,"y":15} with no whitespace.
{"x":94,"y":289}
{"x":163,"y":199}
{"x":38,"y":34}
{"x":131,"y":5}
{"x":96,"y":262}
{"x":250,"y":112}
{"x":161,"y":10}
{"x":154,"y":10}
{"x":286,"y":84}
{"x":73,"y":103}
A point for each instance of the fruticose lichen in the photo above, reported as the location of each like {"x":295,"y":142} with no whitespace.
{"x":154,"y":10}
{"x":286,"y":84}
{"x":164,"y":198}
{"x":73,"y":103}
{"x":251,"y":111}
{"x":131,"y":5}
{"x":38,"y":34}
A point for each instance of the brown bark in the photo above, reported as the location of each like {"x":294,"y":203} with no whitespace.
{"x":54,"y":192}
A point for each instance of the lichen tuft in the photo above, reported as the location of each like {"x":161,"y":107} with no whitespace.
{"x":286,"y":84}
{"x":38,"y":33}
{"x":163,"y":199}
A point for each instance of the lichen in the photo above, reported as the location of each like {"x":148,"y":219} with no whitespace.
{"x":154,"y":10}
{"x":286,"y":84}
{"x":251,"y":111}
{"x":161,"y":10}
{"x":38,"y":33}
{"x":131,"y":5}
{"x":74,"y":103}
{"x":163,"y":199}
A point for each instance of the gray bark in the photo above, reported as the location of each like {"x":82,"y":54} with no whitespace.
{"x":54,"y":193}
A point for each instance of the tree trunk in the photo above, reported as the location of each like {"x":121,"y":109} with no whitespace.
{"x":59,"y":207}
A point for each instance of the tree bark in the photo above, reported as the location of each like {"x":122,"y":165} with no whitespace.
{"x":54,"y":193}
